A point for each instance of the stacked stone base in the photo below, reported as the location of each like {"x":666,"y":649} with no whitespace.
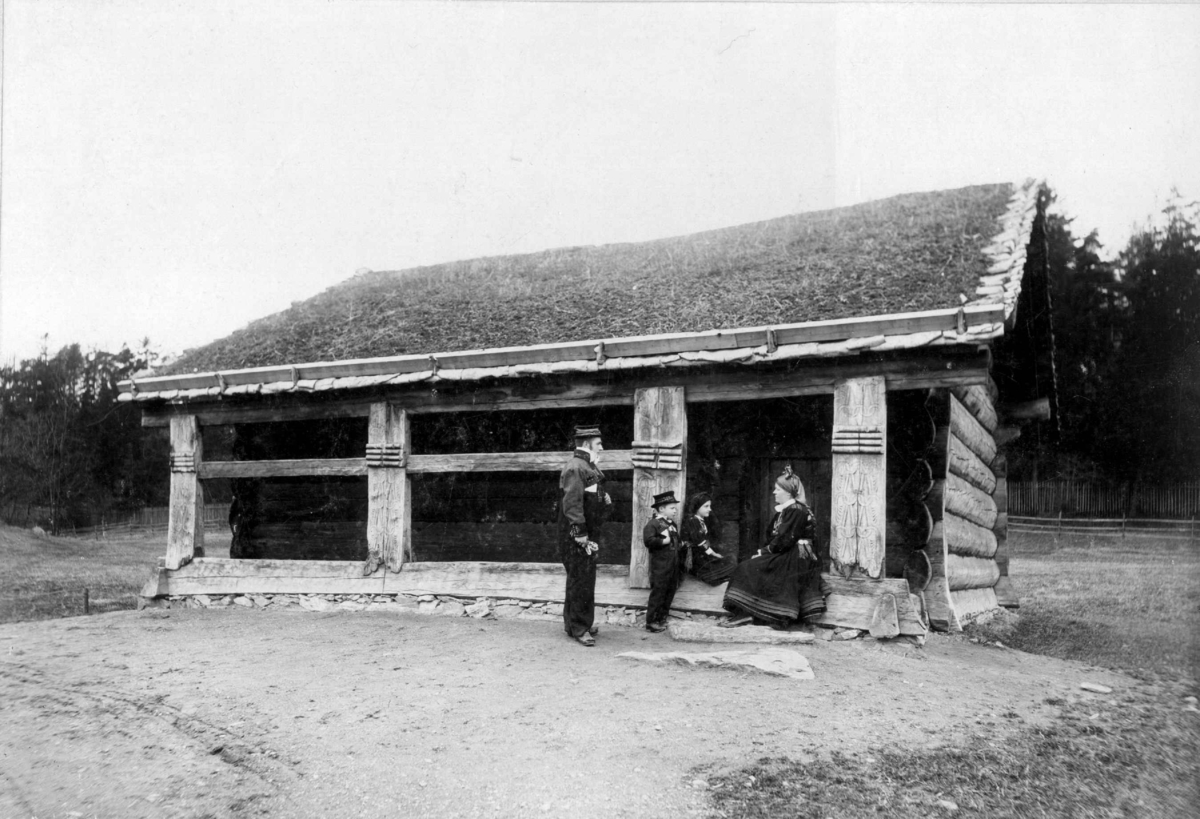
{"x":443,"y":605}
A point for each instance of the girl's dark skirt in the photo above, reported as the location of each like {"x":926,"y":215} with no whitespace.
{"x":714,"y":570}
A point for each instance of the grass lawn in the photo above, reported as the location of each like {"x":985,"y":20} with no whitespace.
{"x":1130,"y":605}
{"x":44,"y":577}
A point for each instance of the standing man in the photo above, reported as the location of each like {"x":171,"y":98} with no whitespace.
{"x":583,"y":507}
{"x":662,"y":539}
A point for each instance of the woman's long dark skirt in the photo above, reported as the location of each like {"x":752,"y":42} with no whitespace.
{"x":776,"y":588}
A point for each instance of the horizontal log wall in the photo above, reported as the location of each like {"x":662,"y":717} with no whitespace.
{"x":963,"y":537}
{"x":972,"y":433}
{"x":614,"y":460}
{"x":958,"y":497}
{"x":970,"y":489}
{"x":971,"y":572}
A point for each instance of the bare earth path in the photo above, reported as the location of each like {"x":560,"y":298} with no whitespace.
{"x":225,"y":713}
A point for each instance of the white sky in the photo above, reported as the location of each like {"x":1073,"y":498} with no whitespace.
{"x":177,"y":169}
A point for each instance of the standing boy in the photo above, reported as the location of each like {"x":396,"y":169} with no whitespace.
{"x":583,"y":507}
{"x":662,"y":539}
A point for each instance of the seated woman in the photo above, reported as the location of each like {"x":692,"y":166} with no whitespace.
{"x":781,"y":583}
{"x":699,"y":533}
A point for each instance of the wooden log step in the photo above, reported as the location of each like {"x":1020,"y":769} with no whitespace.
{"x":522,"y":581}
{"x":851,"y":603}
{"x":971,"y":432}
{"x":1006,"y":593}
{"x":885,"y":622}
{"x":971,"y":572}
{"x":963,"y":537}
{"x":970,"y":602}
{"x":937,"y":593}
{"x":978,"y":400}
{"x":960,"y":498}
{"x":964,"y":463}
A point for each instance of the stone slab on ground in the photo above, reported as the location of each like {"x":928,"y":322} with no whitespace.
{"x":778,"y":662}
{"x":691,"y":631}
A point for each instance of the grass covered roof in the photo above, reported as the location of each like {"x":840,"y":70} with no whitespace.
{"x":906,"y":253}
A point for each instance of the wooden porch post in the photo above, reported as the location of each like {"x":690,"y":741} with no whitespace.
{"x":859,"y":517}
{"x":185,"y":517}
{"x":659,"y":464}
{"x":389,"y":495}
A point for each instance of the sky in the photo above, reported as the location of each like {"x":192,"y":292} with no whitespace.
{"x":174,"y":170}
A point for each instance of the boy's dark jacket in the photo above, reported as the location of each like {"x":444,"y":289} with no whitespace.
{"x":652,"y":534}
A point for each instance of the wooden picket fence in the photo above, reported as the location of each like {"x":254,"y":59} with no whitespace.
{"x":1084,"y":499}
{"x":152,"y":518}
{"x":1110,"y":527}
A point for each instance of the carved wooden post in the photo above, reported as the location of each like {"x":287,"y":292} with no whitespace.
{"x":389,"y":495}
{"x":185,"y":517}
{"x":859,"y":517}
{"x":659,"y":464}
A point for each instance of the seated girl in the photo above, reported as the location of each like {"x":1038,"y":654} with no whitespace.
{"x":700,"y":534}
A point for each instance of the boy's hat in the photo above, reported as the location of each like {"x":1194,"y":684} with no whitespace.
{"x":664,"y":498}
{"x":587,"y":432}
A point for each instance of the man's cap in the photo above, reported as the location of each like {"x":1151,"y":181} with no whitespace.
{"x":663,"y":498}
{"x":587,"y":432}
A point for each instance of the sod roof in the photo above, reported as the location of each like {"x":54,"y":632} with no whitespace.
{"x":907,"y":253}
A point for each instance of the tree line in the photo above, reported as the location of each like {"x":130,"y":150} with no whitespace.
{"x":70,"y":453}
{"x":1127,"y":357}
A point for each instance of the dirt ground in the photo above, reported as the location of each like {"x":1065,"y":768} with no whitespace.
{"x":233,"y":713}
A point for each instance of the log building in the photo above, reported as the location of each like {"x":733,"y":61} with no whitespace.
{"x":888,"y":351}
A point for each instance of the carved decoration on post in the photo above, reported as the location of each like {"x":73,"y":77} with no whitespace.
{"x":859,"y":475}
{"x":657,"y":456}
{"x":659,"y":463}
{"x":185,"y":516}
{"x":389,"y":491}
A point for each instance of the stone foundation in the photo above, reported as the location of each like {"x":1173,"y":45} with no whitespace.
{"x":444,"y":605}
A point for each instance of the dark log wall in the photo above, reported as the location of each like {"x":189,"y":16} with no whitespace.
{"x":910,"y":437}
{"x":311,"y":518}
{"x":510,"y":517}
{"x":737,"y":450}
